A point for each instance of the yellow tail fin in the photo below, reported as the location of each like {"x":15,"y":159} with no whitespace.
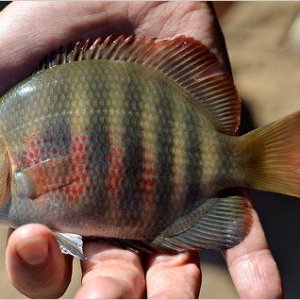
{"x":274,"y":156}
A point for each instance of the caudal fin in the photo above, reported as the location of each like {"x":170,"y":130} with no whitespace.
{"x":274,"y":156}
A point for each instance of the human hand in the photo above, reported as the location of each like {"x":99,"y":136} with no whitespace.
{"x":34,"y":262}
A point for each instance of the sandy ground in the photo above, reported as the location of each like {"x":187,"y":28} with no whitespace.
{"x":264,"y":48}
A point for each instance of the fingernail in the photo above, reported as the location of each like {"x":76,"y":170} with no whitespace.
{"x":33,"y":251}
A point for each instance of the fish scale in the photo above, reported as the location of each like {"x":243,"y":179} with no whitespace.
{"x":132,"y":140}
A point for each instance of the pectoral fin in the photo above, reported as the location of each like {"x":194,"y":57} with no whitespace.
{"x":71,"y":244}
{"x":48,"y":175}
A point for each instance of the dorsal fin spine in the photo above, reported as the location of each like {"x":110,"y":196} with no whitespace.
{"x":108,"y":48}
{"x":143,"y":50}
{"x":184,"y":58}
{"x":183,"y":69}
{"x":75,"y":53}
{"x":116,"y":45}
{"x":97,"y":53}
{"x":180,"y":51}
{"x":170,"y":56}
{"x":103,"y":46}
{"x":166,"y":60}
{"x":125,"y":52}
{"x":119,"y":47}
{"x":150,"y":60}
{"x":174,"y":71}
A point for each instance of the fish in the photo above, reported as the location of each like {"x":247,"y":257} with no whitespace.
{"x":135,"y":141}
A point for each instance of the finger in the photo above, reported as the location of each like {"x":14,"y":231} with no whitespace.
{"x":192,"y":19}
{"x":172,"y":276}
{"x":35,"y":264}
{"x":252,"y":267}
{"x":219,"y":41}
{"x":111,"y":273}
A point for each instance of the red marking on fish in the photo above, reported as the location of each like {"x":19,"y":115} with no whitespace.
{"x":148,"y":181}
{"x":115,"y":171}
{"x":79,"y":168}
{"x":32,"y":154}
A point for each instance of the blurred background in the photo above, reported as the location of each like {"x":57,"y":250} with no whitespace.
{"x":263,"y":42}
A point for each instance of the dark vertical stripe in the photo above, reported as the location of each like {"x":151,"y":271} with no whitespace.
{"x":133,"y":152}
{"x":98,"y":139}
{"x":164,"y":159}
{"x":192,"y":176}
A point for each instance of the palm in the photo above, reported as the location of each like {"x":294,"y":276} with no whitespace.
{"x":86,"y":20}
{"x":117,"y":273}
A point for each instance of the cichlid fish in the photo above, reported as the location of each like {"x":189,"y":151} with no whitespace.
{"x":133,"y":140}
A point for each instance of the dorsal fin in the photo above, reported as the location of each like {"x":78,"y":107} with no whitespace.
{"x":186,"y":61}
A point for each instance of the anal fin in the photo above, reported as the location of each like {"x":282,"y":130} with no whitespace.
{"x":223,"y":226}
{"x":71,"y":244}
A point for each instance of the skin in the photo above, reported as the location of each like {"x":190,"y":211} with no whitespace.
{"x":34,"y":262}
